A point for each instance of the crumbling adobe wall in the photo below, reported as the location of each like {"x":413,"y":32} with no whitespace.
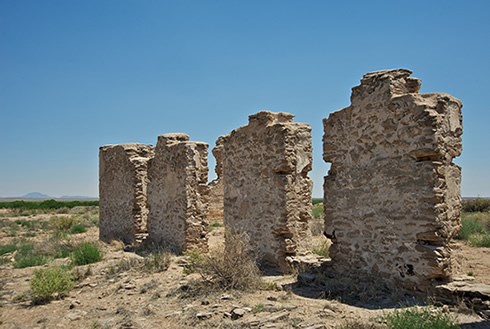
{"x":178,"y":193}
{"x":392,"y":194}
{"x":122,"y":191}
{"x":216,"y":189}
{"x":267,"y":193}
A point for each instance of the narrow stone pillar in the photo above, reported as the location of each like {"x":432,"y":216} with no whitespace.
{"x":122,"y":191}
{"x":267,"y":191}
{"x":216,"y":189}
{"x":392,"y":195}
{"x":178,"y":194}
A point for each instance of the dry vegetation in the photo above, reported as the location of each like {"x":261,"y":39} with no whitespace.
{"x":55,"y":273}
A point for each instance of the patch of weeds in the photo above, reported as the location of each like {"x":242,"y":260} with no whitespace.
{"x":4,"y":260}
{"x":80,"y":274}
{"x":480,"y":240}
{"x":49,"y":283}
{"x":86,"y":253}
{"x":158,"y":261}
{"x":20,"y":298}
{"x":214,"y":225}
{"x":322,"y":249}
{"x":356,"y":324}
{"x":233,"y":268}
{"x":78,"y":228}
{"x":149,"y":286}
{"x":194,"y":258}
{"x":28,"y":256}
{"x":258,"y":308}
{"x":7,"y":248}
{"x":415,"y":318}
{"x":62,"y":223}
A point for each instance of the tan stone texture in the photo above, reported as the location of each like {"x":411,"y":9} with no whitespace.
{"x":122,"y":191}
{"x":178,"y":193}
{"x":216,"y":188}
{"x":267,"y":190}
{"x":392,"y":194}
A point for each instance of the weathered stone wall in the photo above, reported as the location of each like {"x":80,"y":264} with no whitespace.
{"x":122,"y":191}
{"x":392,"y":194}
{"x":267,"y":193}
{"x":178,"y":193}
{"x":216,"y":189}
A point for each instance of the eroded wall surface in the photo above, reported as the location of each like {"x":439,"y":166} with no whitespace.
{"x":392,"y":194}
{"x":122,"y":191}
{"x":178,"y":193}
{"x":267,"y":193}
{"x":216,"y":189}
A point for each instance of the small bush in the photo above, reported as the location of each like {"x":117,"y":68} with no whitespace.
{"x":419,"y":319}
{"x":356,"y":324}
{"x":317,"y":210}
{"x":86,"y":253}
{"x":157,"y":262}
{"x":77,"y":229}
{"x":62,"y":223}
{"x":232,"y":268}
{"x":475,"y":229}
{"x":471,"y":226}
{"x":49,"y":283}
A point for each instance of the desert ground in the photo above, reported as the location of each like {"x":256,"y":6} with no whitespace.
{"x":140,"y":287}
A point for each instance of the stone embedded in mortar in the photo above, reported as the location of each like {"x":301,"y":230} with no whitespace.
{"x":122,"y":191}
{"x":392,"y":194}
{"x":178,"y":193}
{"x":267,"y":191}
{"x":216,"y":190}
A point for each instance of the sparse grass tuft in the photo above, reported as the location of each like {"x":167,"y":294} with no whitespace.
{"x":77,"y":229}
{"x":86,"y":253}
{"x":413,"y":318}
{"x":49,"y":283}
{"x":480,"y":240}
{"x":62,"y":223}
{"x":7,"y":248}
{"x":158,"y":261}
{"x":27,"y":255}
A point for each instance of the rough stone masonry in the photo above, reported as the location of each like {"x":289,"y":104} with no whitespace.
{"x":392,"y":194}
{"x":267,"y":193}
{"x":122,"y":189}
{"x":178,"y":193}
{"x":216,"y":189}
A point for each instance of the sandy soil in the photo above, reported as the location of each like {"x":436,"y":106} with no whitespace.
{"x":137,"y":299}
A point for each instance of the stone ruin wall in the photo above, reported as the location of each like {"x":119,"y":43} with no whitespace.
{"x":122,"y":188}
{"x":216,"y":189}
{"x":178,"y":194}
{"x":267,"y":193}
{"x":392,"y":194}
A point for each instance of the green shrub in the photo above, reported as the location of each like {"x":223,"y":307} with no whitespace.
{"x":46,"y":204}
{"x":411,"y":318}
{"x":77,"y":229}
{"x":49,"y":283}
{"x":86,"y":253}
{"x":317,"y":210}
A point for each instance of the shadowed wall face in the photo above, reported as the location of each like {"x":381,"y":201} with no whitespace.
{"x":122,"y":188}
{"x":178,"y":194}
{"x":392,"y":194}
{"x":267,"y":193}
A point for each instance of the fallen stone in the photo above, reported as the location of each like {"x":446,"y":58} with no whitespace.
{"x":204,"y":315}
{"x":237,"y":313}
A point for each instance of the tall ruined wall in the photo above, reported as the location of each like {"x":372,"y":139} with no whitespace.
{"x":267,"y":192}
{"x":216,"y":189}
{"x":178,"y":193}
{"x":122,"y":191}
{"x":392,"y":194}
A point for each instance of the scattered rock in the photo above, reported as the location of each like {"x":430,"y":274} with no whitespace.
{"x":204,"y":315}
{"x":237,"y":313}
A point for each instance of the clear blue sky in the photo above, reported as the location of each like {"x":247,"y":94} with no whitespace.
{"x":75,"y":75}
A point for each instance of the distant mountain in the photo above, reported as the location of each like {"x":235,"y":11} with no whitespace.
{"x":36,"y":195}
{"x":76,"y":197}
